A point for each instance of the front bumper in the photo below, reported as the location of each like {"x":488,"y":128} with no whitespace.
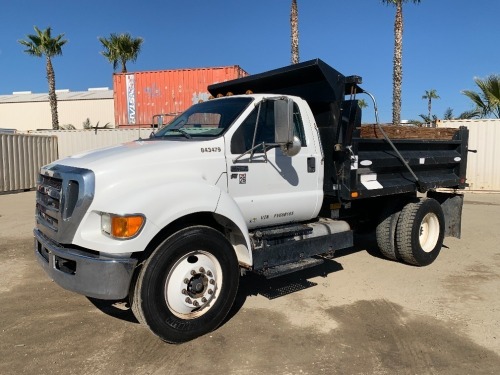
{"x":83,"y":272}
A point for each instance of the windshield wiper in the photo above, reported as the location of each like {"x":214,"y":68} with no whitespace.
{"x":182,"y":131}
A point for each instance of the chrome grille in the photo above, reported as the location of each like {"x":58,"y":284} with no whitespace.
{"x":63,"y":196}
{"x":48,"y":201}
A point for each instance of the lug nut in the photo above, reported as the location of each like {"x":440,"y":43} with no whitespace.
{"x":184,"y":291}
{"x":203,"y":300}
{"x":186,"y":281}
{"x":210,"y":291}
{"x":212,"y":281}
{"x":193,"y":272}
{"x":195,"y":303}
{"x":209,"y":273}
{"x":202,"y":270}
{"x":188,"y":300}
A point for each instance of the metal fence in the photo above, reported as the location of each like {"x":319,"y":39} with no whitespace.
{"x":72,"y":142}
{"x":22,"y":155}
{"x":483,"y":167}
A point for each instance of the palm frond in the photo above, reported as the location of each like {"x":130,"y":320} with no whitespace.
{"x":121,"y":48}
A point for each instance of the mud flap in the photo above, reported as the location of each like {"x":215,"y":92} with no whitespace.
{"x":452,"y":205}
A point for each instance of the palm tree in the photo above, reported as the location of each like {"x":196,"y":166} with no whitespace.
{"x":362,"y":103}
{"x":397,"y":73}
{"x":429,"y":95}
{"x":487,"y":101}
{"x":294,"y":25}
{"x":42,"y":44}
{"x":448,"y":114}
{"x":121,"y":49}
{"x":429,"y":119}
{"x":466,"y":115}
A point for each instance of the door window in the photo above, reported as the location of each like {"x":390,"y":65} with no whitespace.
{"x":243,"y":137}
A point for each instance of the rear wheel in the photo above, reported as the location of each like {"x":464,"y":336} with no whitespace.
{"x":420,"y":232}
{"x":386,"y":230}
{"x":187,"y":286}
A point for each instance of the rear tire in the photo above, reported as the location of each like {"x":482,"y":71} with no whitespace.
{"x":386,"y":231}
{"x":187,"y":286}
{"x":420,"y":232}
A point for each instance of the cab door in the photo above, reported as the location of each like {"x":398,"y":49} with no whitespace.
{"x":269,"y":187}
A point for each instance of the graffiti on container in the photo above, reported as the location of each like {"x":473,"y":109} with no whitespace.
{"x":130,"y":86}
{"x":153,"y":91}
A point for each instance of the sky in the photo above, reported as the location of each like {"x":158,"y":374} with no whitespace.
{"x":446,"y":43}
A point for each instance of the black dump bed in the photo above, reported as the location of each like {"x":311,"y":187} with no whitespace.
{"x":314,"y":81}
{"x":357,"y":164}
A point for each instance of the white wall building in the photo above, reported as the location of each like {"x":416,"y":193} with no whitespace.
{"x":26,"y":111}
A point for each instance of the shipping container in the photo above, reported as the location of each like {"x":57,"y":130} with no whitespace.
{"x":140,"y":96}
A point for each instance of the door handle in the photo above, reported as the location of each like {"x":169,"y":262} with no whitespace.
{"x":311,"y":164}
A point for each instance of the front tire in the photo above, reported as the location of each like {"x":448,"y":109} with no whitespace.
{"x":187,"y":286}
{"x":420,"y":232}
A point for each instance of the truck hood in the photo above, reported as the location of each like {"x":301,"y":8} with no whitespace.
{"x":151,"y":158}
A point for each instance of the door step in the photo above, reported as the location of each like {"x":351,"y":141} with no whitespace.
{"x":285,"y":269}
{"x":283,"y":232}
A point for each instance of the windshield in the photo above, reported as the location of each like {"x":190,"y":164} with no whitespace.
{"x":207,"y":119}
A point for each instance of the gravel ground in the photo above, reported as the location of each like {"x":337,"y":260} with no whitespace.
{"x":356,"y":314}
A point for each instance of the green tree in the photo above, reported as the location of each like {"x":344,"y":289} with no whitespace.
{"x":448,"y":114}
{"x":397,"y":73}
{"x":294,"y":26}
{"x":487,"y":100}
{"x":429,"y":95}
{"x":362,"y":103}
{"x":121,"y":49}
{"x":429,"y":119}
{"x":87,"y":124}
{"x":43,"y":44}
{"x":466,"y":115}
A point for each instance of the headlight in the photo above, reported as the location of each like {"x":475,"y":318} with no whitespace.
{"x":122,"y":226}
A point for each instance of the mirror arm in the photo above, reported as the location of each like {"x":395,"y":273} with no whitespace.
{"x":255,"y":130}
{"x":266,"y":147}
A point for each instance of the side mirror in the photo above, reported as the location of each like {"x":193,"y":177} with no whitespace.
{"x":283,"y":119}
{"x":293,"y":148}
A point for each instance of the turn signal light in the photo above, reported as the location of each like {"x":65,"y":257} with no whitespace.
{"x":122,"y":227}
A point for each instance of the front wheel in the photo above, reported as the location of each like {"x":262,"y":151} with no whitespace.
{"x":187,"y":286}
{"x":420,"y":232}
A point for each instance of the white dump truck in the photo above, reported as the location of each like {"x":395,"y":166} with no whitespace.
{"x":267,"y":177}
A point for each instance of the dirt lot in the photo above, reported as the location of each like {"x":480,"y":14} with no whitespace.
{"x":357,"y":314}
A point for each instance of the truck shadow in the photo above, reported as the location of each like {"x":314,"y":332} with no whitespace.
{"x":253,"y":284}
{"x":119,"y":309}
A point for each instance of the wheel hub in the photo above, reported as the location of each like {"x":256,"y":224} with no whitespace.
{"x":197,"y":285}
{"x":192,"y":284}
{"x":200,"y":288}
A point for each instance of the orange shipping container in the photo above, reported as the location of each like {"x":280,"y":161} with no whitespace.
{"x":139,"y":96}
